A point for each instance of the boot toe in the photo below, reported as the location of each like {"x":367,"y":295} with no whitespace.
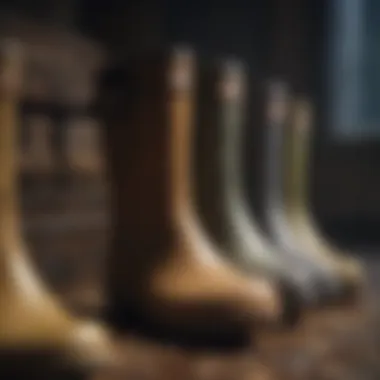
{"x":265,"y":302}
{"x":353,"y":272}
{"x":89,"y":346}
{"x":346,"y":285}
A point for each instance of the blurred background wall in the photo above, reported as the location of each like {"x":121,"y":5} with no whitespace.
{"x":304,"y":42}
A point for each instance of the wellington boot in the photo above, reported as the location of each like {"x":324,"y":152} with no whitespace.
{"x":163,"y":266}
{"x":278,"y":225}
{"x":31,"y":320}
{"x":307,"y":236}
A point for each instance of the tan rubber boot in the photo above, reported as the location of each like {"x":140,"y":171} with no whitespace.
{"x":31,"y":319}
{"x":163,"y":264}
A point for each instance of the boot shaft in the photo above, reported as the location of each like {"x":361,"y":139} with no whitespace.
{"x":218,"y":143}
{"x":146,"y":106}
{"x":233,"y":96}
{"x":10,"y":86}
{"x":277,"y":115}
{"x":297,"y":156}
{"x":207,"y":148}
{"x":10,"y":82}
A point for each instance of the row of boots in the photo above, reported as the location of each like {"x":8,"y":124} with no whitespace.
{"x":188,"y":262}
